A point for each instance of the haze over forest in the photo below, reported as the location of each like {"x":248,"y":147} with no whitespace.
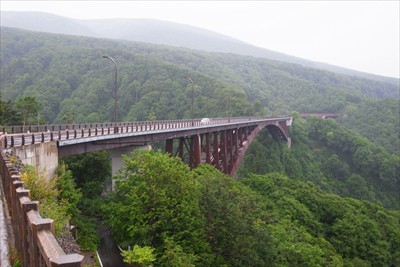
{"x":160,"y":32}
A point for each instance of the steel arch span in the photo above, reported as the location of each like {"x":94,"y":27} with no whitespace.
{"x":225,"y":148}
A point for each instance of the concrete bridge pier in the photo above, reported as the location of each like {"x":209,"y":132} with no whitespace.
{"x":117,"y":161}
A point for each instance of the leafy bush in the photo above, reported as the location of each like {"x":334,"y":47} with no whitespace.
{"x":142,"y":256}
{"x":47,"y":193}
{"x":87,"y":236}
{"x":40,"y":189}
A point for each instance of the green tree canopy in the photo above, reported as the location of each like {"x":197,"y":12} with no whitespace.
{"x":156,"y":198}
{"x":29,"y":108}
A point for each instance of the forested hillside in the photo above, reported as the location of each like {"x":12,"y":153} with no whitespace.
{"x":262,"y":220}
{"x":378,"y":120}
{"x":331,"y":156}
{"x":69,"y":78}
{"x":162,"y":32}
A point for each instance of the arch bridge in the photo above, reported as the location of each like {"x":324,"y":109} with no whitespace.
{"x":221,"y":142}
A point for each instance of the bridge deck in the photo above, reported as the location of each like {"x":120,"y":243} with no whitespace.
{"x":135,"y":132}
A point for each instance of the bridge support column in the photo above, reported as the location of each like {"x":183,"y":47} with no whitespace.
{"x":229,"y":149}
{"x":208,"y":150}
{"x":181,"y":146}
{"x":235,"y":142}
{"x":240,"y":134}
{"x":169,"y":146}
{"x":116,"y":159}
{"x":195,"y":151}
{"x":223,"y":152}
{"x":215,"y":161}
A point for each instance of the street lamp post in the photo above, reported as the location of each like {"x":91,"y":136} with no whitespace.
{"x":190,"y":79}
{"x":115,"y":93}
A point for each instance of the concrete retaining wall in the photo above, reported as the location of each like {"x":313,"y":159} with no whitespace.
{"x":43,"y":156}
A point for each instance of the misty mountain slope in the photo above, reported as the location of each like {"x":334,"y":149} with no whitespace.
{"x":275,"y":81}
{"x":162,"y":32}
{"x":44,"y":22}
{"x":140,"y":30}
{"x":281,"y":87}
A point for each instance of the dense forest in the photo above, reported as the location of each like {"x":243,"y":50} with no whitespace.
{"x":260,"y":220}
{"x":69,"y":78}
{"x":332,"y":199}
{"x":337,"y":159}
{"x":378,"y":120}
{"x":162,"y":32}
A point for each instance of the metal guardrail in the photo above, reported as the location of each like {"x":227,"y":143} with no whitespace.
{"x":15,"y":129}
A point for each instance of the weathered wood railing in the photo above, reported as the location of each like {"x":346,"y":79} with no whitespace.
{"x":34,"y":235}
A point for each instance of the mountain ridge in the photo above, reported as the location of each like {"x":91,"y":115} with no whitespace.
{"x":163,"y":32}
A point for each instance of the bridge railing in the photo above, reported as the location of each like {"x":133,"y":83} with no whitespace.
{"x":18,"y":129}
{"x":34,"y":235}
{"x":20,"y":135}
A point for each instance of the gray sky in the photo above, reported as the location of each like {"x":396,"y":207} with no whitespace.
{"x":360,"y":35}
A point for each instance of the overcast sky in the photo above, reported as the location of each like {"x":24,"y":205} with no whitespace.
{"x":360,"y":35}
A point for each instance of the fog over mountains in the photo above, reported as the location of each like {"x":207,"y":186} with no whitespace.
{"x":161,"y":32}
